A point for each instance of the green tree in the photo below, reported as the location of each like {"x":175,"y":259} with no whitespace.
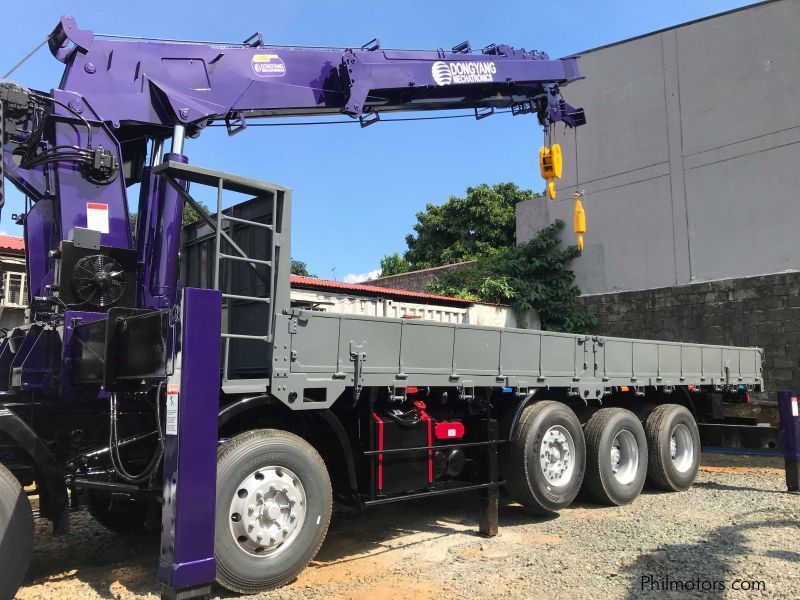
{"x":300,"y":268}
{"x":533,"y":275}
{"x":394,"y":264}
{"x":462,"y":229}
{"x":190,"y":215}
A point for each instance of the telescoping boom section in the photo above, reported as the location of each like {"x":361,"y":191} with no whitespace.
{"x":163,"y":377}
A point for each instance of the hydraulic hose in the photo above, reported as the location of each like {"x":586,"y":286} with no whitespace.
{"x":113,"y":438}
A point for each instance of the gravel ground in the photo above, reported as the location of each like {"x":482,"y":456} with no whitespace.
{"x":736,"y":523}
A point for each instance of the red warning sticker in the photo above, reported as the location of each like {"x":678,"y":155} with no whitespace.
{"x":97,"y":216}
{"x":173,"y":396}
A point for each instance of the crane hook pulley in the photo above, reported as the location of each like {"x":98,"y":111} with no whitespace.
{"x":551,"y":166}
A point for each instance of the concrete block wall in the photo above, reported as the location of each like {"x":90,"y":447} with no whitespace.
{"x":753,"y":311}
{"x":415,"y":281}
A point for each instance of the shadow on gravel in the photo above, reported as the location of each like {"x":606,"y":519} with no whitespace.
{"x":713,"y":485}
{"x":99,"y":558}
{"x":354,"y":535}
{"x":700,"y":568}
{"x":787,"y":555}
{"x":95,"y":556}
{"x":586,"y":502}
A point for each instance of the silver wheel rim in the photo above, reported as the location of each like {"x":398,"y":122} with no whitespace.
{"x":681,"y":448}
{"x":557,"y":456}
{"x":624,"y":457}
{"x":267,"y":511}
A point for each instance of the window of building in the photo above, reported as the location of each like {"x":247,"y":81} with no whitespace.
{"x":15,"y":291}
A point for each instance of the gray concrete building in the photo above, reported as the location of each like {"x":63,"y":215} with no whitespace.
{"x":691,"y":166}
{"x":690,"y":156}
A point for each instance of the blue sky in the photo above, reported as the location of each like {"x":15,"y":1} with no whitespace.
{"x":356,"y":191}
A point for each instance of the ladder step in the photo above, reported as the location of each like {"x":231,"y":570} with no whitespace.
{"x":245,"y":221}
{"x":242,"y":336}
{"x":253,"y":298}
{"x":245,"y":259}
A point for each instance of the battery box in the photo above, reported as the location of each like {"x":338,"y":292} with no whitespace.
{"x":402,"y":472}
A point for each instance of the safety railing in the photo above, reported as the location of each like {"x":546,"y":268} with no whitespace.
{"x":227,"y":248}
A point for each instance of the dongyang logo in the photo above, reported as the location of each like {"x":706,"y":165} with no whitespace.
{"x":445,"y":73}
{"x":268,"y":65}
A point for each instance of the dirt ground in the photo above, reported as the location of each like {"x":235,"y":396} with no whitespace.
{"x":736,"y":524}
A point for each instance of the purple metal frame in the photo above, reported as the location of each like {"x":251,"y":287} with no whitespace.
{"x":163,"y":83}
{"x":190,"y":457}
{"x":790,"y":437}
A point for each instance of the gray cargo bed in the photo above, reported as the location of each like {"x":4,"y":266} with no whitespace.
{"x":326,"y":349}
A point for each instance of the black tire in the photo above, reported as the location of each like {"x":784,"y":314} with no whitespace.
{"x":526,"y":479}
{"x":607,"y":428}
{"x":16,"y":534}
{"x":239,"y":569}
{"x":673,"y":473}
{"x":119,"y":513}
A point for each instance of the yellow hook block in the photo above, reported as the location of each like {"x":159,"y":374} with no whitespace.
{"x":551,"y":166}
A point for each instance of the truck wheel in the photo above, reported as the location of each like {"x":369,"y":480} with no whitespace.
{"x":546,"y":457}
{"x":616,"y":456}
{"x":118,"y":513}
{"x":274,"y":504}
{"x":16,"y":534}
{"x":674,"y":443}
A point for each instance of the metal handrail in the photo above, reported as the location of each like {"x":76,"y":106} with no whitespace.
{"x":246,"y":259}
{"x":246,"y":222}
{"x":248,"y":298}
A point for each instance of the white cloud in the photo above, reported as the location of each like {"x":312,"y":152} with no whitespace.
{"x":360,"y":277}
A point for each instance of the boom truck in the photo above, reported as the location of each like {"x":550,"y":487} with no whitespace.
{"x":208,"y":406}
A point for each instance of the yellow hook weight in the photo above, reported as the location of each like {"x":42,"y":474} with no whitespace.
{"x":579,"y":220}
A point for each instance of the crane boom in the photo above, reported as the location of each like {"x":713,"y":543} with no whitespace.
{"x":76,"y":149}
{"x":165,"y":83}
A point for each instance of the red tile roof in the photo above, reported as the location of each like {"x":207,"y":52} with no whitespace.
{"x":10,"y":242}
{"x":374,"y":290}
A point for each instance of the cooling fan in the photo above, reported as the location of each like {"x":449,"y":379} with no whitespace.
{"x":98,"y":280}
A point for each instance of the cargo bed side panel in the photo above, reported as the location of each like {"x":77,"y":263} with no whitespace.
{"x":326,"y":349}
